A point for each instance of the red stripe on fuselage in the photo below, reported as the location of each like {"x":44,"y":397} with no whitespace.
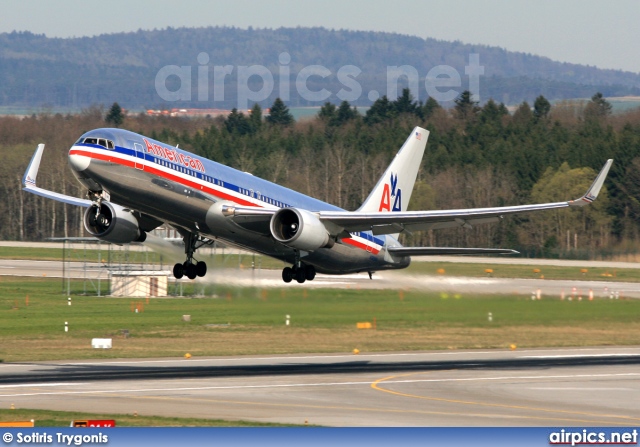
{"x":361,"y":246}
{"x":166,"y":175}
{"x":163,"y":174}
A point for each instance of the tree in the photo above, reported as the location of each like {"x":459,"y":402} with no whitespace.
{"x":327,"y":112}
{"x":492,"y":112}
{"x":523,"y":115}
{"x":406,"y":104}
{"x":255,"y":118}
{"x":381,"y":110}
{"x":541,"y":108}
{"x":236,"y":122}
{"x":588,"y":224}
{"x":466,"y":108}
{"x":597,"y":108}
{"x":115,"y":115}
{"x":345,"y":113}
{"x":280,"y":114}
{"x":430,"y":107}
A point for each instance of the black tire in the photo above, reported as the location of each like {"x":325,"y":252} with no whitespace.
{"x":178,"y":271}
{"x":287,"y":274}
{"x":190,"y":271}
{"x":201,"y":268}
{"x":301,"y":275}
{"x":310,"y":272}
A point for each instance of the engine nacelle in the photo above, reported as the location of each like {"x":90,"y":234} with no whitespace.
{"x":299,"y":229}
{"x":113,"y":223}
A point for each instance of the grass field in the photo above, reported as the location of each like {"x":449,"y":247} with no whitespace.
{"x":46,"y":418}
{"x":525,"y":271}
{"x":250,"y":321}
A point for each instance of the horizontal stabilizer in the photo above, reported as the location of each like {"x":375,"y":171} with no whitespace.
{"x":452,"y":251}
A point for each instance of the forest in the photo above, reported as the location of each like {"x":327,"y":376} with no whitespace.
{"x":38,"y":72}
{"x":476,"y":156}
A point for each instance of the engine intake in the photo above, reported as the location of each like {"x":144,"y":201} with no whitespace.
{"x":299,"y":229}
{"x":113,"y":223}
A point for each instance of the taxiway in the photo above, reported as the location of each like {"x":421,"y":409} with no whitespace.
{"x":541,"y":387}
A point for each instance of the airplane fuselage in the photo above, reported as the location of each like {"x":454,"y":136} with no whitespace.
{"x":188,"y":192}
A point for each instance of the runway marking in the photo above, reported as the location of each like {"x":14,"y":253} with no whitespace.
{"x":351,"y":356}
{"x":41,"y":385}
{"x":572,"y":356}
{"x":369,"y":409}
{"x":302,"y":385}
{"x":580,"y":389}
{"x":375,"y":386}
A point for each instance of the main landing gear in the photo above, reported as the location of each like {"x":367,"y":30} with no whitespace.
{"x":300,"y":273}
{"x":191,"y":268}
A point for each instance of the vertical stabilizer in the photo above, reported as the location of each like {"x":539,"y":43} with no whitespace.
{"x":393,"y":190}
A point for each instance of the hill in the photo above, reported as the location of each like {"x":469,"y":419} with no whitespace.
{"x":37,"y":71}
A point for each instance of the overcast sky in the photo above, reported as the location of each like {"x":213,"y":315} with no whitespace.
{"x":604,"y":34}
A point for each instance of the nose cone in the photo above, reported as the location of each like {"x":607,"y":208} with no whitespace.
{"x":78,"y":162}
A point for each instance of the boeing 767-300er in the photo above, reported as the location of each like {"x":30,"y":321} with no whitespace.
{"x":135,"y":184}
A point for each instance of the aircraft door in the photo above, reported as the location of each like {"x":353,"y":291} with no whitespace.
{"x":139,"y":156}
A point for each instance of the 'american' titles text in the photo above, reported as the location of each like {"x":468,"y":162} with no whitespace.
{"x":174,"y":156}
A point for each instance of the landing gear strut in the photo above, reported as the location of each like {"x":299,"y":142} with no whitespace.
{"x":300,"y":273}
{"x":191,"y":268}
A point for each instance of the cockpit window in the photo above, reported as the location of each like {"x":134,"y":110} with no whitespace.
{"x":107,"y":144}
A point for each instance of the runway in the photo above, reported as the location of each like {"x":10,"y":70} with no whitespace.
{"x":541,"y":387}
{"x":263,"y":278}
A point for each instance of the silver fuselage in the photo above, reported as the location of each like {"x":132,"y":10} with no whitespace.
{"x":187,"y":192}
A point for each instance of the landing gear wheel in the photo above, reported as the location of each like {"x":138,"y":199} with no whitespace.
{"x":287,"y":274}
{"x":201,"y":268}
{"x":190,"y":271}
{"x":178,"y":271}
{"x":310,"y":272}
{"x":301,"y":275}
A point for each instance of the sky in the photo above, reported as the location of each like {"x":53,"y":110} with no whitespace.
{"x":604,"y":34}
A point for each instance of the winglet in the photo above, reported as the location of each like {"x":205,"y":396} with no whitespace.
{"x":29,"y":183}
{"x":594,"y":190}
{"x":31,"y":173}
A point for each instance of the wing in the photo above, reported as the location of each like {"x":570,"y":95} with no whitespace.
{"x":29,"y":183}
{"x":344,"y":222}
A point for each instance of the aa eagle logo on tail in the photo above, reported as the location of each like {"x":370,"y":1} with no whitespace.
{"x":391,"y":191}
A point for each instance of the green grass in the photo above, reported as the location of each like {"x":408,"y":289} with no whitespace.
{"x":46,"y":418}
{"x":526,"y":271}
{"x":43,"y":254}
{"x":250,"y":321}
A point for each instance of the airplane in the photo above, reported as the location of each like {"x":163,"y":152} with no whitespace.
{"x":135,"y":184}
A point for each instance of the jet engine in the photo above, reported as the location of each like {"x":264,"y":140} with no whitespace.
{"x":299,"y":229}
{"x":113,"y":223}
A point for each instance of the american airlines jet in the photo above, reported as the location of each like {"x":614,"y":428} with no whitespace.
{"x":136,"y":184}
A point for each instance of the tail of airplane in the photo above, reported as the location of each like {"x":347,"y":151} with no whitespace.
{"x":393,"y":190}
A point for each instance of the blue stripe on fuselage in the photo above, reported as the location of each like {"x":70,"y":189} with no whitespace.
{"x":218,"y":175}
